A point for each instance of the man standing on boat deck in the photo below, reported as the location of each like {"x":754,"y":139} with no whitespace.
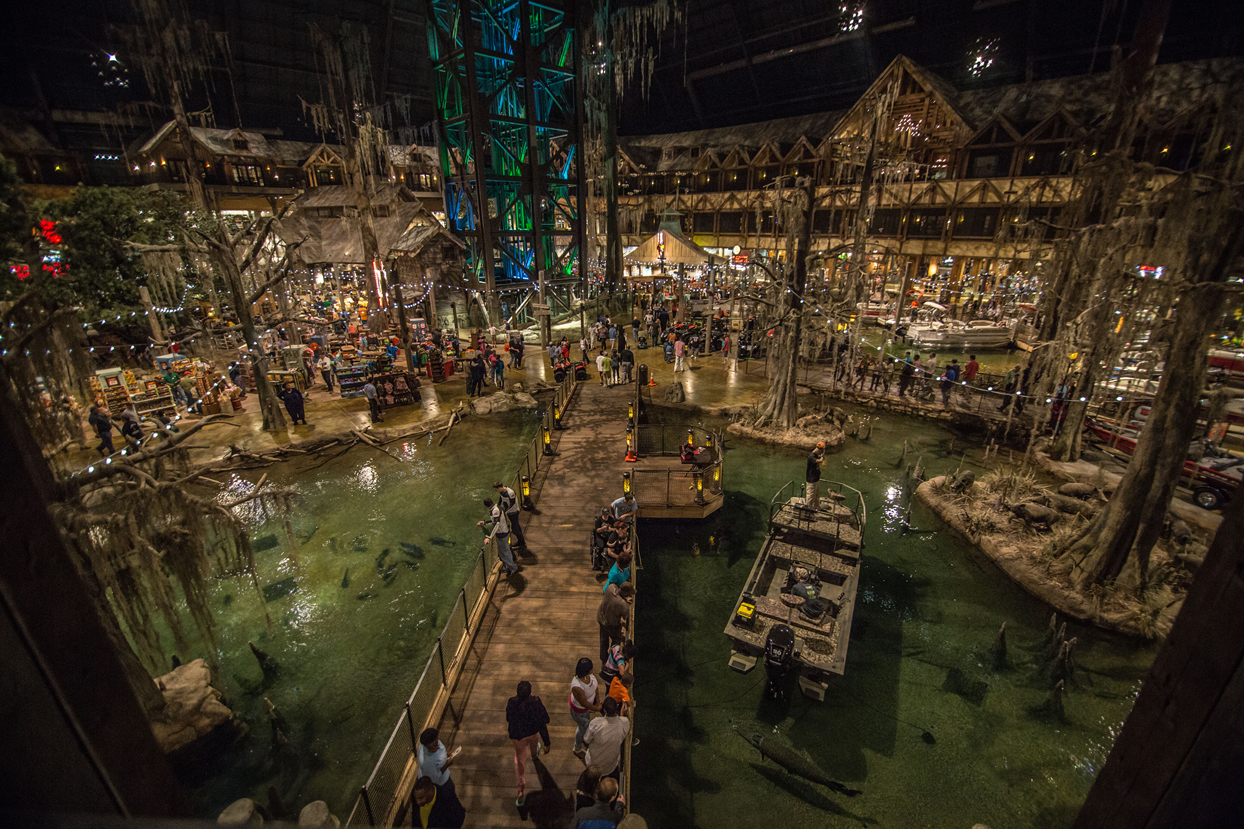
{"x":815,"y":458}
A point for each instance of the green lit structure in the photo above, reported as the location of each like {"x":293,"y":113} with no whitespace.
{"x":510,"y":115}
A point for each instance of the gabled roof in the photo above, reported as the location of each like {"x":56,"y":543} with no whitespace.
{"x":219,"y":142}
{"x":19,"y":137}
{"x":724,"y":139}
{"x":339,"y":195}
{"x":679,"y":250}
{"x":931,"y":82}
{"x":418,"y":236}
{"x":1087,"y":98}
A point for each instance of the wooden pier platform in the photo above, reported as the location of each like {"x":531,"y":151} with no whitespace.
{"x":539,"y":623}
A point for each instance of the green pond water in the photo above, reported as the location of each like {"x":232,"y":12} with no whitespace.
{"x":351,"y":649}
{"x":927,"y":611}
{"x":383,"y":547}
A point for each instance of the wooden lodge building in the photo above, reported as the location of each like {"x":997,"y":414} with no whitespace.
{"x":250,"y":171}
{"x":966,"y":183}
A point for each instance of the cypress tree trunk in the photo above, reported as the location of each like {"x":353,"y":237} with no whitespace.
{"x":1210,"y":232}
{"x":781,"y":406}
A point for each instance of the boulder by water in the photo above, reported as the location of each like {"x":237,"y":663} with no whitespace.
{"x":315,"y":815}
{"x":192,"y":707}
{"x":1076,"y":490}
{"x":502,"y":401}
{"x":674,"y":393}
{"x":242,"y":812}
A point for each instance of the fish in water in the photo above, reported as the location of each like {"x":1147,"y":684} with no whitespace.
{"x":306,"y":535}
{"x":280,"y":589}
{"x":389,"y":574}
{"x":360,"y":543}
{"x":265,"y":542}
{"x":960,"y":684}
{"x":409,"y":550}
{"x":176,"y":662}
{"x":412,"y":565}
{"x":380,"y":559}
{"x":794,"y":762}
{"x":345,"y":578}
{"x":441,"y":542}
{"x":366,"y":594}
{"x":334,"y":544}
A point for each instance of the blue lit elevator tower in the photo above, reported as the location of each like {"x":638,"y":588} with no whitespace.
{"x":510,"y":112}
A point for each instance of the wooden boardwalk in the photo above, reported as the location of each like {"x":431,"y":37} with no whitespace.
{"x":539,"y":623}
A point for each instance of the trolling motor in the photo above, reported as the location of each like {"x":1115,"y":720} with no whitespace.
{"x":779,"y":661}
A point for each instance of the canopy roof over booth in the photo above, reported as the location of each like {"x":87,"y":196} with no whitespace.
{"x":678,"y":249}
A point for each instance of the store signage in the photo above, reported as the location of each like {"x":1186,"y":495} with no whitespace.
{"x":741,"y":257}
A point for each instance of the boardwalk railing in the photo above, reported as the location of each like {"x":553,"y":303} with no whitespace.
{"x":382,"y":797}
{"x":684,"y":486}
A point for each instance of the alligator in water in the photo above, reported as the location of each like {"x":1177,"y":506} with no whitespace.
{"x":794,"y":762}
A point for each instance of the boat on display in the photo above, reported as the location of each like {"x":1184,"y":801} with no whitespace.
{"x":1213,"y":478}
{"x":960,"y":335}
{"x":795,"y":609}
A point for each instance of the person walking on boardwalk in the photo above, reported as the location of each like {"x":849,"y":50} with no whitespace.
{"x":434,"y":808}
{"x":584,"y":690}
{"x":434,"y":759}
{"x":905,"y":377}
{"x":509,"y":505}
{"x":605,"y":737}
{"x":815,"y":458}
{"x":948,"y":381}
{"x":612,"y":616}
{"x":606,"y":367}
{"x":680,"y":349}
{"x":528,"y":723}
{"x":501,"y":534}
{"x":606,"y":810}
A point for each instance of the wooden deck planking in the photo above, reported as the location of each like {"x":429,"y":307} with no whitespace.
{"x":539,"y":624}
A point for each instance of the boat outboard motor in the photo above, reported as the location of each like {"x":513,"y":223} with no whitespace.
{"x":779,"y":661}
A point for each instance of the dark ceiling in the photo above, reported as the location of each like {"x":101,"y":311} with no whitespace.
{"x":735,"y":61}
{"x":724,"y":62}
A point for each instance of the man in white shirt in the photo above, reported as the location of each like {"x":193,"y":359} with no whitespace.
{"x":500,"y":534}
{"x":325,"y":366}
{"x":509,"y":505}
{"x":605,"y":737}
{"x":434,"y":759}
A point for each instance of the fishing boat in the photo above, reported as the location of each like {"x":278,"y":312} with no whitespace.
{"x":804,"y":581}
{"x":1213,"y":478}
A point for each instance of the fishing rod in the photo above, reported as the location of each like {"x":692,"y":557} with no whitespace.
{"x":925,"y":734}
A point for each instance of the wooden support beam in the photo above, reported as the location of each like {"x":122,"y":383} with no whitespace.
{"x":1177,"y":760}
